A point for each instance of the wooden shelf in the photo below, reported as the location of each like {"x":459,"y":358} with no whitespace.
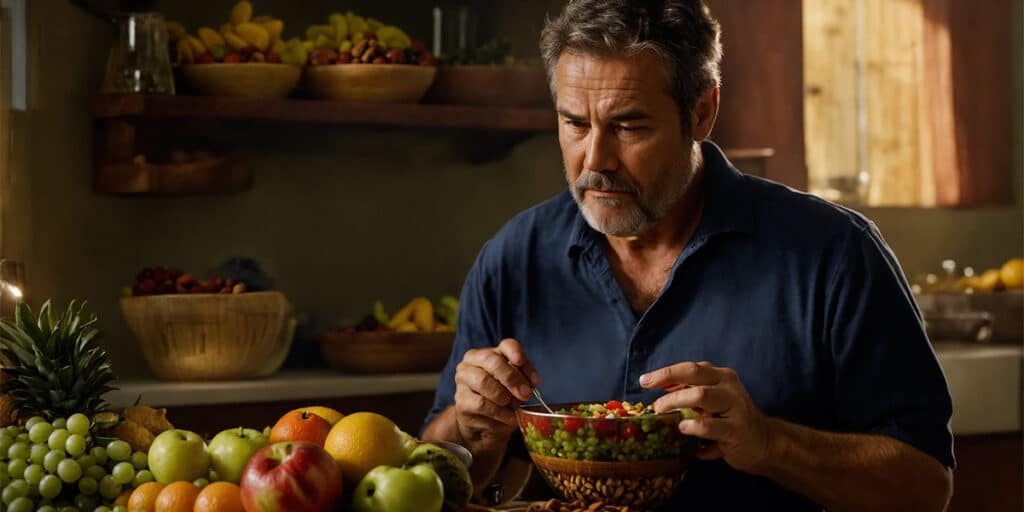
{"x":290,"y":110}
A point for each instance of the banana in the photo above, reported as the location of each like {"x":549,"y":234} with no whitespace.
{"x":185,"y":55}
{"x":273,"y":27}
{"x":198,"y":48}
{"x":277,"y":46}
{"x":379,"y":313}
{"x":241,"y":12}
{"x":254,"y":34}
{"x":423,"y":314}
{"x":406,"y":326}
{"x":175,"y":30}
{"x":373,"y":24}
{"x":210,"y":37}
{"x":403,"y":315}
{"x":234,"y":41}
{"x":458,"y":487}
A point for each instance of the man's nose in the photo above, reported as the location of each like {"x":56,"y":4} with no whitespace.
{"x":602,"y":152}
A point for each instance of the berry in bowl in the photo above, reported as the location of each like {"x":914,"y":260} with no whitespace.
{"x":615,"y":452}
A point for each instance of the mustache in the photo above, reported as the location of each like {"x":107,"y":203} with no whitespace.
{"x":605,"y":182}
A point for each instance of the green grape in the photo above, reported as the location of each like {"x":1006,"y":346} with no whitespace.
{"x":142,"y":477}
{"x":75,"y":445}
{"x":86,"y":502}
{"x":109,"y":489}
{"x":78,"y":423}
{"x":86,"y":461}
{"x":40,"y":432}
{"x":22,"y":438}
{"x":96,"y":472}
{"x":119,"y":450}
{"x":100,"y":453}
{"x":38,"y":453}
{"x":21,"y":504}
{"x":4,"y":478}
{"x":19,"y":450}
{"x":201,"y":482}
{"x":103,"y":508}
{"x":60,"y":423}
{"x":34,"y":473}
{"x":68,"y":508}
{"x":123,"y":472}
{"x":52,"y":459}
{"x":120,"y":508}
{"x":16,"y":468}
{"x":140,"y":460}
{"x":58,"y":439}
{"x":15,"y":489}
{"x":46,"y":508}
{"x":49,"y":486}
{"x":88,"y":485}
{"x":33,"y":420}
{"x":6,"y":440}
{"x":69,"y":471}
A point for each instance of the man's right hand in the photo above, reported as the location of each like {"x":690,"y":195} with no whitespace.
{"x":490,"y":383}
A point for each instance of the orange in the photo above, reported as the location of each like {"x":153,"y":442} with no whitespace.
{"x":362,"y":441}
{"x":176,"y":497}
{"x":332,"y":416}
{"x":122,"y":499}
{"x":144,"y":497}
{"x":219,"y":497}
{"x":1012,"y":273}
{"x":300,"y":426}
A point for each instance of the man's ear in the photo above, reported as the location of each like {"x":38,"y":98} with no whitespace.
{"x":702,"y":119}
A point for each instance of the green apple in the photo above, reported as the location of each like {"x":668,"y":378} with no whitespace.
{"x":178,"y":455}
{"x":391,"y":489}
{"x":231,"y":449}
{"x":409,"y":443}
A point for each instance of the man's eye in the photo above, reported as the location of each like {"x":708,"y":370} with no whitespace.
{"x":632,"y":128}
{"x":576,"y":124}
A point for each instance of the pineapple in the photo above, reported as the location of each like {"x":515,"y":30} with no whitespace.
{"x":54,"y":365}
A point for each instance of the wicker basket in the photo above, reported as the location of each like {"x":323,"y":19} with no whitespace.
{"x":385,"y":352}
{"x":195,"y":337}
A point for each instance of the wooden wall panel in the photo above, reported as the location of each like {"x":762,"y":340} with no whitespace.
{"x":762,"y":83}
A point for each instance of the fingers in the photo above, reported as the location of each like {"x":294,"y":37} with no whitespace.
{"x":496,"y":364}
{"x":481,"y":382}
{"x":516,"y":356}
{"x":713,"y":399}
{"x":469,"y":403}
{"x":688,"y":373}
{"x":708,"y":427}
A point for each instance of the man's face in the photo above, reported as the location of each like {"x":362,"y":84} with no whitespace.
{"x":626,"y":152}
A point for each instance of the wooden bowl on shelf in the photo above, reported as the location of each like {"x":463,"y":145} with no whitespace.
{"x":504,"y":85}
{"x":385,"y":351}
{"x":208,"y":336}
{"x":369,"y":83}
{"x":241,"y":80}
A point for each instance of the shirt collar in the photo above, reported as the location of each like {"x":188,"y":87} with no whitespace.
{"x":728,"y":206}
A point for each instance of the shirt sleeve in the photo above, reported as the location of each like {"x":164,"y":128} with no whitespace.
{"x":476,"y":328}
{"x":887,"y":378}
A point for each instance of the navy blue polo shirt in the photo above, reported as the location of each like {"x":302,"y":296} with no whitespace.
{"x":802,"y":298}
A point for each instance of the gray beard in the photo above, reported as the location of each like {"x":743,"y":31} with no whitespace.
{"x":644,"y":211}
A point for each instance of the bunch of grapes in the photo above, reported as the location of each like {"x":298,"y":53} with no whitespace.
{"x":61,"y":467}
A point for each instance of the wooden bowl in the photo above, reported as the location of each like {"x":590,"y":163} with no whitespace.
{"x":198,"y":337}
{"x":507,"y":86}
{"x":369,"y":83}
{"x":385,"y":351}
{"x":241,"y":80}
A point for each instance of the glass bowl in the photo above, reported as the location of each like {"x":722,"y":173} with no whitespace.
{"x":637,"y":461}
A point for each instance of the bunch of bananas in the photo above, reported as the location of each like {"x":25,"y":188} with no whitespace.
{"x":244,"y":38}
{"x":418,"y":315}
{"x":343,"y":31}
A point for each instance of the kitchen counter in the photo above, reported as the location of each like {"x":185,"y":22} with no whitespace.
{"x":985,"y":381}
{"x":283,"y":386}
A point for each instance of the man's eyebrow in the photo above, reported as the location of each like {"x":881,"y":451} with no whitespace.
{"x":570,"y":116}
{"x":630,"y":115}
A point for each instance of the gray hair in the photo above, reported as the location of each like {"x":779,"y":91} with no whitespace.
{"x":681,"y":32}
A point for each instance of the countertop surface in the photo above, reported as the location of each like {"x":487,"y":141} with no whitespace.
{"x":985,"y":381}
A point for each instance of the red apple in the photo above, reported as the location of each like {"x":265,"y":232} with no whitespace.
{"x":291,"y":476}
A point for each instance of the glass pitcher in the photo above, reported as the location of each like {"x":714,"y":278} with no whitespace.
{"x":139,"y":61}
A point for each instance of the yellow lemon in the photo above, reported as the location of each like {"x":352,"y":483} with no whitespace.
{"x":332,"y":416}
{"x":1012,"y":273}
{"x":362,"y":441}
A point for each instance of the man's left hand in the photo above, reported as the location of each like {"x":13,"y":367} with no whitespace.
{"x":728,"y":416}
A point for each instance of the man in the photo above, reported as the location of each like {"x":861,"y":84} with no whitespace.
{"x":785,"y":318}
